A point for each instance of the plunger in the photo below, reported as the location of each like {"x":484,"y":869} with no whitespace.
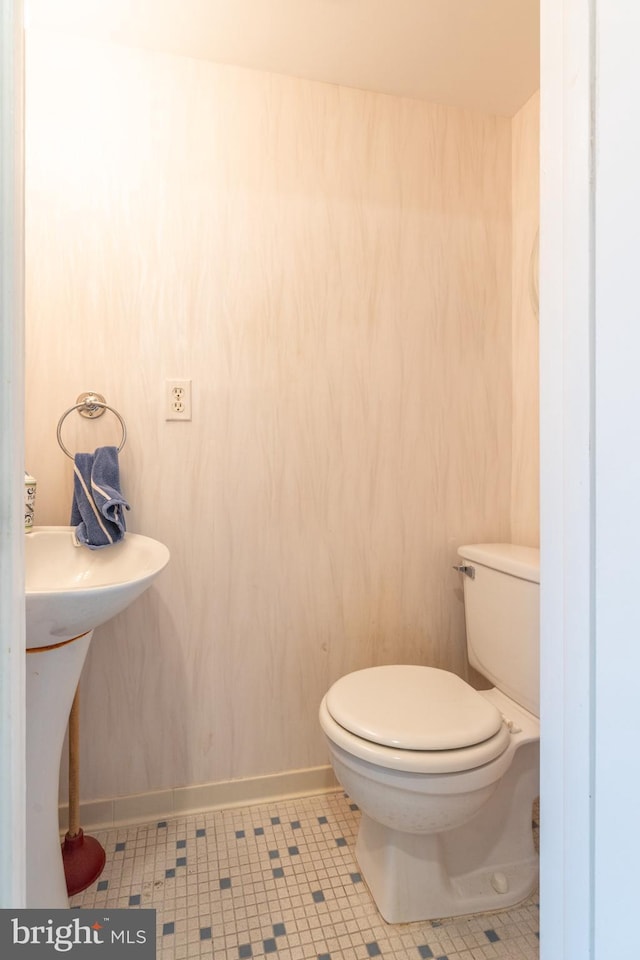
{"x":83,"y":857}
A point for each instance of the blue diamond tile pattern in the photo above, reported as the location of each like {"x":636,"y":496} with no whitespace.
{"x":280,"y":881}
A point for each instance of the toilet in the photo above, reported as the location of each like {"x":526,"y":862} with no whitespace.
{"x":445,"y":775}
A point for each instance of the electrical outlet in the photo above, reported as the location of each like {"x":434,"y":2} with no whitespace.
{"x":177,"y":399}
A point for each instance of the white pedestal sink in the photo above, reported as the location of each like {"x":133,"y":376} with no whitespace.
{"x":70,"y":590}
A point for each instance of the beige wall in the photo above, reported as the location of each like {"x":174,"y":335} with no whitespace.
{"x":525,"y":497}
{"x":332,"y":269}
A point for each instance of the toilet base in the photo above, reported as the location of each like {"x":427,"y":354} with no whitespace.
{"x":486,"y":864}
{"x":406,"y":878}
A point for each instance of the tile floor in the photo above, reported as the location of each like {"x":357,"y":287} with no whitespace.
{"x":280,"y":878}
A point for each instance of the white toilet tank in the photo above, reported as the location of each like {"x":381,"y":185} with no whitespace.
{"x":502,"y":613}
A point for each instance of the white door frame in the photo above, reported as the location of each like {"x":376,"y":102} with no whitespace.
{"x":566,"y":495}
{"x":590,"y":476}
{"x":12,"y":658}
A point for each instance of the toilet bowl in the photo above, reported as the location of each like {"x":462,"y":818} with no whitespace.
{"x":445,"y":776}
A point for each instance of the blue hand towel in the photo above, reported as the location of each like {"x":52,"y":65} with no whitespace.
{"x":97,"y":511}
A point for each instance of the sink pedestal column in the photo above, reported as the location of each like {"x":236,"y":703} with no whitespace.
{"x":52,"y":677}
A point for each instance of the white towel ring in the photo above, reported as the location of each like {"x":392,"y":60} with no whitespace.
{"x":90,"y":405}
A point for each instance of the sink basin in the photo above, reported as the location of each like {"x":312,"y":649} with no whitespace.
{"x":70,"y":589}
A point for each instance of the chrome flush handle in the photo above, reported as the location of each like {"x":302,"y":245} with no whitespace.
{"x":465,"y":568}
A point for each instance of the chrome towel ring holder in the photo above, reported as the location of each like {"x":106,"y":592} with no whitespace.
{"x":90,"y":405}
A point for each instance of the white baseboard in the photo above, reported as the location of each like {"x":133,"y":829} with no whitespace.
{"x":181,"y":801}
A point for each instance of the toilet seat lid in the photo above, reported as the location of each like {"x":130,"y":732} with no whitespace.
{"x":412,"y":708}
